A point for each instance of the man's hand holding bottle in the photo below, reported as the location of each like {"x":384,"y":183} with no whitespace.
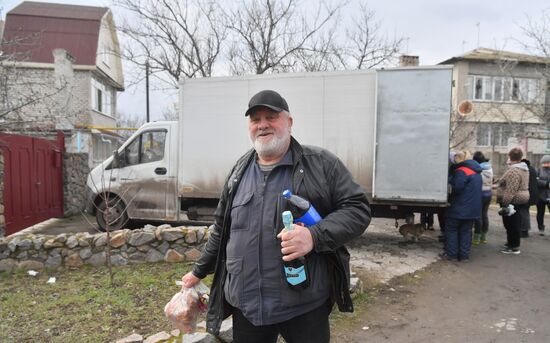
{"x":295,"y":243}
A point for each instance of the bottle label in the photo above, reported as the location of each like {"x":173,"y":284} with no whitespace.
{"x":295,"y":276}
{"x":311,"y":217}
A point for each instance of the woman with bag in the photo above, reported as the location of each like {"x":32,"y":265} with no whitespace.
{"x":513,"y":189}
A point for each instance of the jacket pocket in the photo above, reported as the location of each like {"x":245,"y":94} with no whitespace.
{"x":233,"y":287}
{"x":319,"y":284}
{"x":240,"y":219}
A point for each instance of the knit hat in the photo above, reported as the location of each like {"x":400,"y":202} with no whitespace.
{"x":545,"y":159}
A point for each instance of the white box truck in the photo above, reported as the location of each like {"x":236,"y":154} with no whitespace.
{"x":389,"y":126}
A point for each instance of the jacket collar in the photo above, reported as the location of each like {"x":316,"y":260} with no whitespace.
{"x":297,"y":151}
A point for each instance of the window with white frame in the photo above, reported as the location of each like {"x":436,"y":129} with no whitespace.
{"x":101,"y":98}
{"x":503,"y":89}
{"x":483,"y":135}
{"x":496,"y":134}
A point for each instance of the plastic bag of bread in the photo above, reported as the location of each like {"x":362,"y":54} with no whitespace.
{"x":185,"y":306}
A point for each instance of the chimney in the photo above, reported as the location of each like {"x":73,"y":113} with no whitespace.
{"x":408,"y":61}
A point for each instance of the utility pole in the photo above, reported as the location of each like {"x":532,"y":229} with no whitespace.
{"x":147,"y":89}
{"x":477,"y":34}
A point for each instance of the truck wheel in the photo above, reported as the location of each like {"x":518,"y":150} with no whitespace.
{"x":113,"y":213}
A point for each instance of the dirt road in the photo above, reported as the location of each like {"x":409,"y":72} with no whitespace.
{"x":492,"y":298}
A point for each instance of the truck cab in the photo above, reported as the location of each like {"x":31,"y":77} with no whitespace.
{"x":139,"y":180}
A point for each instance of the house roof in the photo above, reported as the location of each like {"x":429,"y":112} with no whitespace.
{"x":33,"y":29}
{"x":484,"y":54}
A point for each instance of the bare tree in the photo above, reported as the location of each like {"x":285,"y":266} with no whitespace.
{"x":268,"y":36}
{"x":366,"y":45}
{"x":537,"y":42}
{"x":320,"y":54}
{"x":537,"y":34}
{"x":170,"y":112}
{"x":110,"y":211}
{"x":180,"y":38}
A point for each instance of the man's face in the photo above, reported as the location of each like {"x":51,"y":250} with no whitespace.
{"x":269,"y":132}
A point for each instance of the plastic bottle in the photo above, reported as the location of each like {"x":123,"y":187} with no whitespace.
{"x":295,"y":271}
{"x":301,"y":209}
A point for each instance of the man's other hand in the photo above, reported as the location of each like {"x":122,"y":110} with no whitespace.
{"x":189,"y":280}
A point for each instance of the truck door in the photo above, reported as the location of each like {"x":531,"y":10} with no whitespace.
{"x":144,"y":177}
{"x":413,"y":111}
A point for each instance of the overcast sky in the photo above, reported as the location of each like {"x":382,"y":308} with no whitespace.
{"x":436,"y":30}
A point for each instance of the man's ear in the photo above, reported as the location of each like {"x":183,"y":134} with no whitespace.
{"x":290,"y":121}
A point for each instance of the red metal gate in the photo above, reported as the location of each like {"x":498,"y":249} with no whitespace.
{"x":33,"y":180}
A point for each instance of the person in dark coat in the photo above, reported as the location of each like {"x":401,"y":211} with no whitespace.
{"x":543,"y":200}
{"x":247,"y":244}
{"x":533,"y":198}
{"x":464,"y":207}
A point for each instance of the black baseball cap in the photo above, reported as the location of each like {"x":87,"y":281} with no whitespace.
{"x":267,"y":98}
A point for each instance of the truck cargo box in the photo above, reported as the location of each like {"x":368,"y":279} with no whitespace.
{"x":390,"y":127}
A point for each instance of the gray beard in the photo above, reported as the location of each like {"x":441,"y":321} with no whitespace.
{"x":276,"y":146}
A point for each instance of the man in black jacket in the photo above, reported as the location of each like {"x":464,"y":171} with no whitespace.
{"x":533,"y":197}
{"x":246,"y":247}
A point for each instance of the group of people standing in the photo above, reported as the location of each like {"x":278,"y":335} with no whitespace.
{"x":471,"y":190}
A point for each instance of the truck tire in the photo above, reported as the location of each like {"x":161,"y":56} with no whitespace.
{"x":113,"y":212}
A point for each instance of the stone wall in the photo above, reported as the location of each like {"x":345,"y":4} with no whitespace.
{"x":2,"y":218}
{"x":150,"y":244}
{"x":61,"y":94}
{"x":75,"y":172}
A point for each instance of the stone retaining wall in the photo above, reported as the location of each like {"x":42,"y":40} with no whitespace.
{"x":75,"y":173}
{"x":150,"y":244}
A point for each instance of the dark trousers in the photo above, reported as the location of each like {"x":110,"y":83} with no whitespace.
{"x":311,"y":327}
{"x":481,"y":225}
{"x":541,"y":207}
{"x":441,"y":218}
{"x":525,"y":217}
{"x":458,"y":237}
{"x":512,"y":224}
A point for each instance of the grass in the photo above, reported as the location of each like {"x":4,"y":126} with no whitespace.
{"x":341,"y":322}
{"x":82,"y":307}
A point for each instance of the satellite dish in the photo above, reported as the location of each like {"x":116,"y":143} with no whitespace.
{"x":465,"y":108}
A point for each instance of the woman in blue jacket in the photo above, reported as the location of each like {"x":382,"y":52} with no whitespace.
{"x":465,"y":206}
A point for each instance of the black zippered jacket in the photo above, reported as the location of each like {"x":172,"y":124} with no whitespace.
{"x":319,"y":176}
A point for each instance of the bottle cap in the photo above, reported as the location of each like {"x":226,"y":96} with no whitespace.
{"x":287,"y":194}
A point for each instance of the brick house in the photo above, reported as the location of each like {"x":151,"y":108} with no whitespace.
{"x":63,"y":70}
{"x":500,"y":100}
